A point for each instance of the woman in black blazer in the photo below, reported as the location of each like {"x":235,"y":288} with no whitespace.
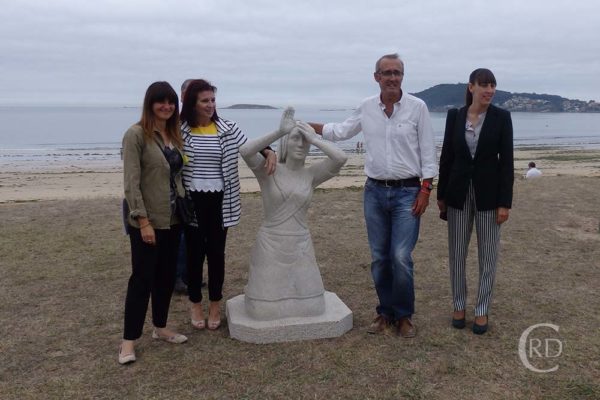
{"x":476,"y":184}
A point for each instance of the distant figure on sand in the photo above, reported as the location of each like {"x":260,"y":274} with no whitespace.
{"x":284,"y":279}
{"x":533,"y":172}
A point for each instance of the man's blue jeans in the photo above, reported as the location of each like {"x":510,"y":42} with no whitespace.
{"x":393,"y":232}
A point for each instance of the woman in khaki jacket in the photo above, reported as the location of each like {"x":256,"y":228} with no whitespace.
{"x":152,"y":163}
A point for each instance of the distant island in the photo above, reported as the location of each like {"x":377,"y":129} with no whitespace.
{"x":445,"y":96}
{"x":250,"y":107}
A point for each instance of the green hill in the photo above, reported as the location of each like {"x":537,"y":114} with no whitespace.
{"x":445,"y":96}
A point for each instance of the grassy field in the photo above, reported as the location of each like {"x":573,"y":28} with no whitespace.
{"x":64,"y":266}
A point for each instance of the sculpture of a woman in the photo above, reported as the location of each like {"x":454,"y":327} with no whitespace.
{"x":284,"y":279}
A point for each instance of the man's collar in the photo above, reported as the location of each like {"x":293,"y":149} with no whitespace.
{"x":398,"y":101}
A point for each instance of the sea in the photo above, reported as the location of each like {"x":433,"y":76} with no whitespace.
{"x":37,"y":138}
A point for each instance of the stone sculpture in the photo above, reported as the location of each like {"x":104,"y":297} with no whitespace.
{"x":285,"y":298}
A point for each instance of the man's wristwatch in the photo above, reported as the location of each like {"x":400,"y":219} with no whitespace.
{"x":426,"y":186}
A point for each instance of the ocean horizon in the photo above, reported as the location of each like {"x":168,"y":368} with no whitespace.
{"x":63,"y":135}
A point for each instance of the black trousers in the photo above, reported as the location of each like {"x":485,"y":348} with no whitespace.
{"x":152,"y":276}
{"x":206,"y":241}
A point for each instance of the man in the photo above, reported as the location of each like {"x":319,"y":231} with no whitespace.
{"x":532,"y":172}
{"x":400,"y":151}
{"x":181,"y":275}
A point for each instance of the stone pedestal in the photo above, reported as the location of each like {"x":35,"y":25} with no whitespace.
{"x":334,"y":322}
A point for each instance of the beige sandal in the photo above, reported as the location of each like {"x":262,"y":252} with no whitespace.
{"x":176,"y":338}
{"x":199,"y":324}
{"x":125,"y":358}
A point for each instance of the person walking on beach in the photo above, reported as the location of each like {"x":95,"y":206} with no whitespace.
{"x":476,"y":184}
{"x":400,"y":164}
{"x":152,"y":164}
{"x":211,"y":146}
{"x":532,"y":172}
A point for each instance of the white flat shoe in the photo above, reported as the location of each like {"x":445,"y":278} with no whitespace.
{"x":176,"y":338}
{"x":126,"y":358}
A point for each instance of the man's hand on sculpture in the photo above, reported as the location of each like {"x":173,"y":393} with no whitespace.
{"x":307,"y":132}
{"x":287,"y":120}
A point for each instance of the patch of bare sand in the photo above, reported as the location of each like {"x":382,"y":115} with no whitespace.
{"x":59,"y":183}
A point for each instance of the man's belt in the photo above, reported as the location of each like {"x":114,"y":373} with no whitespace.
{"x":410,"y":182}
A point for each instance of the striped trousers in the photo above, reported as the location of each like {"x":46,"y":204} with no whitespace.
{"x":460,"y":227}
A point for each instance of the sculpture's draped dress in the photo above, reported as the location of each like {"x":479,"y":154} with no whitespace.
{"x":284,"y":279}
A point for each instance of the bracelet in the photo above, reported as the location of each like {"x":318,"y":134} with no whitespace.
{"x":142,"y":227}
{"x":426,"y":192}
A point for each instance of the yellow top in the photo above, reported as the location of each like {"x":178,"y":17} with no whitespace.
{"x":205,"y":130}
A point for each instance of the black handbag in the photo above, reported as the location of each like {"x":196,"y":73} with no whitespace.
{"x":184,"y":207}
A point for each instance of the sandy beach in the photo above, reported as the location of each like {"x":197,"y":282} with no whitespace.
{"x":91,"y":180}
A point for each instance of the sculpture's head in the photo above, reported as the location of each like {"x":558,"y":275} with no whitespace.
{"x":293,"y":145}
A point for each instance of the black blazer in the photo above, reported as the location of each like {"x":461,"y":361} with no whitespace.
{"x":492,"y":168}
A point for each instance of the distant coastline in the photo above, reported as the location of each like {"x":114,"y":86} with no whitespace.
{"x":442,"y":97}
{"x":250,"y":107}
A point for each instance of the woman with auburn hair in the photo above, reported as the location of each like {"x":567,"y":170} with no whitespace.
{"x":152,"y":164}
{"x":476,"y":184}
{"x":210,"y":176}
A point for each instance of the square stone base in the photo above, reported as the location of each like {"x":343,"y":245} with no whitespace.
{"x":334,"y":322}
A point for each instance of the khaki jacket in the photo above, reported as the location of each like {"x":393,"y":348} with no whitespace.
{"x":147,"y":180}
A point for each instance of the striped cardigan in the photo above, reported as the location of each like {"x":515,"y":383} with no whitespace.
{"x":231,"y":138}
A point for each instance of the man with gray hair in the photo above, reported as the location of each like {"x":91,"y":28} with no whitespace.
{"x":400,"y":164}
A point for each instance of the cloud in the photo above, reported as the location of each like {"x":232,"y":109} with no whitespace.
{"x":290,"y":52}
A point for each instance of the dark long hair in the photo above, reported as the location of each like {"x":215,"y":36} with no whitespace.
{"x":188,"y":112}
{"x":483,"y":76}
{"x":157,"y":92}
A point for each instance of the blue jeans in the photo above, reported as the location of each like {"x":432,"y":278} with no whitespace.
{"x":393,"y":231}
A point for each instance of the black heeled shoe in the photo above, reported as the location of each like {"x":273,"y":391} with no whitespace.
{"x":459,"y":323}
{"x":480,"y":329}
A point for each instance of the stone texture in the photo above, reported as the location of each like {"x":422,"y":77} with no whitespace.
{"x":285,"y":299}
{"x":334,"y":322}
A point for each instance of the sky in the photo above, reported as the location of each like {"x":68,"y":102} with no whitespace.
{"x":290,"y":52}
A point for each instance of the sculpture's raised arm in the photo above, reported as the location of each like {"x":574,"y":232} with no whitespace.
{"x":250,"y":150}
{"x":329,"y":167}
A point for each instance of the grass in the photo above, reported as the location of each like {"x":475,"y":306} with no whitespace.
{"x":64,"y":267}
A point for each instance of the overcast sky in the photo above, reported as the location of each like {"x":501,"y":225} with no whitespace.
{"x":296,"y":52}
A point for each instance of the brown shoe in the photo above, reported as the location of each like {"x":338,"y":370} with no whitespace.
{"x":379,"y":325}
{"x":406,"y":328}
